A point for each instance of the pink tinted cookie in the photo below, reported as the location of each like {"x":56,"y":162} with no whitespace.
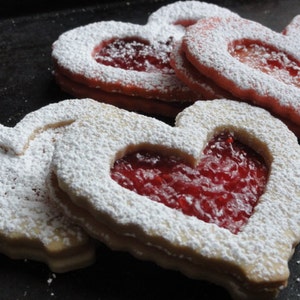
{"x":135,"y":103}
{"x":182,"y":14}
{"x":251,"y":261}
{"x":186,"y":72}
{"x":121,"y":58}
{"x":249,"y":60}
{"x":31,"y":227}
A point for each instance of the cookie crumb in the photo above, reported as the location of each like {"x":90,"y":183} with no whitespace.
{"x":50,"y":279}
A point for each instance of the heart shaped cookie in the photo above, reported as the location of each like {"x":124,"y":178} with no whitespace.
{"x":121,"y":57}
{"x":251,"y":264}
{"x":128,"y":65}
{"x":31,"y":227}
{"x":249,"y":60}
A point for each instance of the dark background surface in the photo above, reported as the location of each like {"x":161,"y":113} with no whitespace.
{"x":27,"y":30}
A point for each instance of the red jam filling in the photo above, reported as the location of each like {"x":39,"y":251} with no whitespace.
{"x":223,"y":188}
{"x":185,"y":22}
{"x":267,"y":59}
{"x":134,"y":54}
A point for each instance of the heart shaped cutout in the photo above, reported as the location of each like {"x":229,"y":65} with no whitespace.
{"x":252,"y":263}
{"x":223,"y":188}
{"x":250,"y":61}
{"x":31,"y":227}
{"x":134,"y":54}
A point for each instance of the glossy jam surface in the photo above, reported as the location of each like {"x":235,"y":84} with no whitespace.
{"x":223,"y":188}
{"x":267,"y":59}
{"x":134,"y":54}
{"x":185,"y":22}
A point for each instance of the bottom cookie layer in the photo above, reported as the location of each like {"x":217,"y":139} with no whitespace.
{"x":131,"y":103}
{"x":237,"y":286}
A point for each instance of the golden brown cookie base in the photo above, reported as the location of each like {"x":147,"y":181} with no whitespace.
{"x":171,"y":258}
{"x":58,"y":262}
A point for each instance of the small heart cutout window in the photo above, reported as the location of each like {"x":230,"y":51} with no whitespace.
{"x":223,"y":188}
{"x":135,"y":54}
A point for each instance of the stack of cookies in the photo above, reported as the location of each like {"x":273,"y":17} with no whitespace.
{"x":128,"y":65}
{"x":187,"y":51}
{"x":216,"y":196}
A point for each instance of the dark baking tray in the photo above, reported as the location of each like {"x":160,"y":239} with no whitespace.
{"x":26,"y":84}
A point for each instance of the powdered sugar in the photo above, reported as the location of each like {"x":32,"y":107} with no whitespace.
{"x":207,"y":45}
{"x":258,"y":255}
{"x":27,"y":217}
{"x":275,"y":63}
{"x":16,"y":139}
{"x":292,"y":29}
{"x":185,"y":13}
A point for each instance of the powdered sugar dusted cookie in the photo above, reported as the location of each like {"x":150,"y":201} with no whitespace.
{"x":186,"y":72}
{"x":31,"y":227}
{"x":185,"y":13}
{"x":251,"y":61}
{"x":121,"y":57}
{"x":130,"y":62}
{"x":241,"y":239}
